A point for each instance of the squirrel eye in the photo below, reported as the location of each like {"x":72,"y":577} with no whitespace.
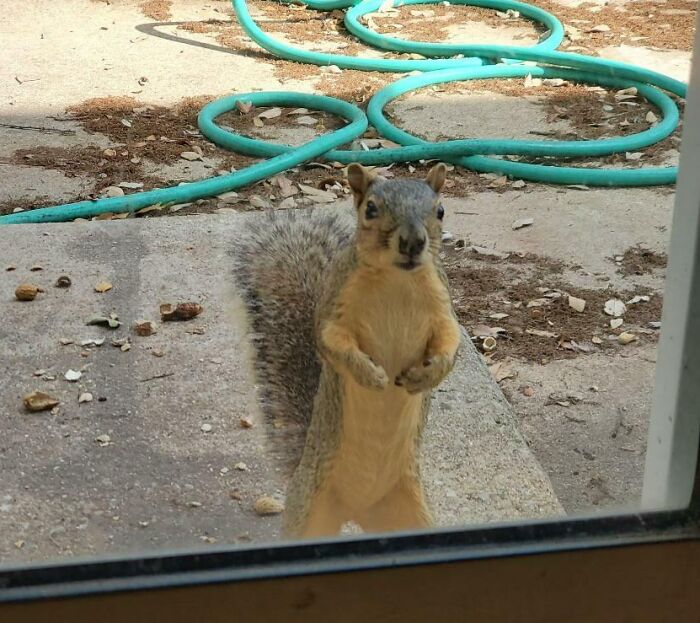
{"x":371,"y":210}
{"x":440,"y":212}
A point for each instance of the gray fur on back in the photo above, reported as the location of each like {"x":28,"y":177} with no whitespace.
{"x":280,"y":263}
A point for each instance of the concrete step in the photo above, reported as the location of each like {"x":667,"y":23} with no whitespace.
{"x":162,"y":481}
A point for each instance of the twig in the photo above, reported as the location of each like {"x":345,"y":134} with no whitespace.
{"x":157,"y":376}
{"x":29,"y":80}
{"x":14,"y":126}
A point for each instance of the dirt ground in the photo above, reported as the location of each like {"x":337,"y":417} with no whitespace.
{"x":531,"y":266}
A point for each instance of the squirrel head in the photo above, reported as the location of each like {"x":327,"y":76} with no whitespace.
{"x":399,"y":222}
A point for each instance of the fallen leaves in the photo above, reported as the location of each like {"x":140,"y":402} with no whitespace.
{"x":39,"y":401}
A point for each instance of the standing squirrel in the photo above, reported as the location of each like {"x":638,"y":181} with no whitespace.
{"x":351,"y":327}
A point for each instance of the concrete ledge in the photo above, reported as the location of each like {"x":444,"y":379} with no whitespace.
{"x":162,"y":481}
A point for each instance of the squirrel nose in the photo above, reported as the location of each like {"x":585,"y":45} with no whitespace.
{"x":411,"y":247}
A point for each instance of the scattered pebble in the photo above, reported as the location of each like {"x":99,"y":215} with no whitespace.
{"x":85,"y":397}
{"x":626,"y":338}
{"x":241,"y":467}
{"x":206,"y":428}
{"x":73,"y":375}
{"x":103,"y":440}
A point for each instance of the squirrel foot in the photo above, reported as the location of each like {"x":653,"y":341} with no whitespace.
{"x":425,"y":376}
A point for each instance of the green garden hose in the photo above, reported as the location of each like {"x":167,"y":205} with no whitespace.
{"x":442,"y":63}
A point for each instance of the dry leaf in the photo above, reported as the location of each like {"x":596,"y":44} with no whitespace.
{"x":540,"y":333}
{"x":244,"y":107}
{"x":626,"y":338}
{"x":616,"y":323}
{"x":501,"y":370}
{"x":640,"y":298}
{"x":306,"y":120}
{"x":522,"y":222}
{"x":651,"y":117}
{"x":190,"y":155}
{"x":258,"y":122}
{"x":103,"y":286}
{"x":39,"y":401}
{"x":577,"y":304}
{"x":268,"y":506}
{"x":614,"y":307}
{"x":272,"y":113}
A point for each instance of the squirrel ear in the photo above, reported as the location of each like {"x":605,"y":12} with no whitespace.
{"x":436,"y":177}
{"x":359,"y":179}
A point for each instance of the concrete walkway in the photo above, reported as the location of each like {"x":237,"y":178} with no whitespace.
{"x":177,"y":468}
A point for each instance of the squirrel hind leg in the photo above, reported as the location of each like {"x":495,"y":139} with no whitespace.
{"x":403,"y":508}
{"x":322,"y":515}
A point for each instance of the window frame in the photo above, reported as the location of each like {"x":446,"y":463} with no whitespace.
{"x":670,"y":482}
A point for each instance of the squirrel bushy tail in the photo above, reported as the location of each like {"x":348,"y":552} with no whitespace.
{"x":280,"y":263}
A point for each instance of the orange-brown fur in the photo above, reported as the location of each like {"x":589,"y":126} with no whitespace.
{"x":387,"y":336}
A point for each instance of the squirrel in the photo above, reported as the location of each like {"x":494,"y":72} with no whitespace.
{"x":351,"y":326}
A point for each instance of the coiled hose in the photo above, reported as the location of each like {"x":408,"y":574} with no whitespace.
{"x":442,"y":63}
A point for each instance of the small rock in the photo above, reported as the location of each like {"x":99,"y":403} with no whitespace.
{"x":103,"y":286}
{"x":131,"y":185}
{"x":241,"y":467}
{"x":85,"y":397}
{"x":615,"y":323}
{"x":519,"y":184}
{"x":600,"y":28}
{"x":110,"y":153}
{"x":194,"y":504}
{"x":651,"y":117}
{"x":206,"y":428}
{"x":73,"y":375}
{"x":103,"y":440}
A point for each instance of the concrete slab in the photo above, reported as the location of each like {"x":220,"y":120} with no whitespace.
{"x":161,"y":481}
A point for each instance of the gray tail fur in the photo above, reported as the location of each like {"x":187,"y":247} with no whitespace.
{"x":280,"y":263}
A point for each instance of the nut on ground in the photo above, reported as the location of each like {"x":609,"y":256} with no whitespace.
{"x":268,"y":506}
{"x":27,"y":292}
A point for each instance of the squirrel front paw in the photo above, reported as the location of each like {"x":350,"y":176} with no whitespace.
{"x":426,"y":375}
{"x":369,"y":374}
